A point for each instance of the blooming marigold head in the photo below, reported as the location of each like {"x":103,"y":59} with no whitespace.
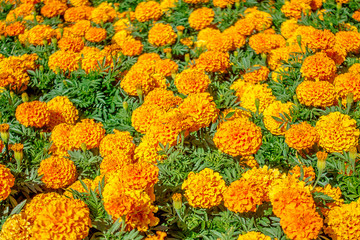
{"x":71,"y":44}
{"x":95,"y":34}
{"x":201,"y":18}
{"x":58,"y":172}
{"x":204,"y":189}
{"x":38,"y":202}
{"x":334,"y":193}
{"x":256,"y":75}
{"x":261,"y":20}
{"x":316,"y":94}
{"x":213,"y":61}
{"x":33,"y":114}
{"x":301,"y":136}
{"x":119,"y":141}
{"x":276,"y":109}
{"x":163,"y":98}
{"x":348,"y":83}
{"x":328,"y":128}
{"x":103,"y":13}
{"x":115,"y":161}
{"x":253,"y":236}
{"x":308,"y":172}
{"x":78,"y":187}
{"x":60,"y":139}
{"x":348,"y":40}
{"x":192,"y":81}
{"x":16,"y":226}
{"x":62,"y":110}
{"x":7,"y":181}
{"x":146,"y":11}
{"x":64,"y":60}
{"x":145,"y":116}
{"x":14,"y":29}
{"x":53,"y":9}
{"x":87,"y":132}
{"x":318,"y":67}
{"x":256,"y":93}
{"x":161,"y":34}
{"x":264,"y":42}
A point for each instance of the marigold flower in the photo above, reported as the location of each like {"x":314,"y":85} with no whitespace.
{"x":21,"y":10}
{"x":245,"y":26}
{"x":201,"y":110}
{"x":316,"y":94}
{"x":192,"y":81}
{"x":33,"y":114}
{"x":60,"y":139}
{"x":277,"y":56}
{"x":77,"y":186}
{"x":224,"y":3}
{"x":257,"y":75}
{"x":334,"y":193}
{"x":95,"y":34}
{"x":159,"y":236}
{"x":213,"y":61}
{"x":196,"y":1}
{"x":103,"y":13}
{"x":308,"y":172}
{"x":261,"y":20}
{"x":254,"y":93}
{"x":79,"y":3}
{"x":238,"y":137}
{"x":328,"y":128}
{"x":276,"y":109}
{"x":61,"y":110}
{"x":146,"y":11}
{"x":356,"y":15}
{"x":16,"y":226}
{"x":80,"y":28}
{"x":161,"y":34}
{"x":343,"y":222}
{"x":58,"y":172}
{"x":15,"y":29}
{"x":293,"y":9}
{"x":37,"y":204}
{"x":264,"y":43}
{"x":71,"y":44}
{"x":348,"y":83}
{"x":235,"y":113}
{"x":204,"y":189}
{"x":318,"y":67}
{"x":132,"y":47}
{"x":301,"y":136}
{"x":87,"y":132}
{"x":63,"y":218}
{"x":147,"y":151}
{"x":166,"y":5}
{"x":201,"y":18}
{"x":253,"y":236}
{"x":119,"y":141}
{"x":115,"y":161}
{"x":162,"y":98}
{"x":37,"y":35}
{"x":91,"y":57}
{"x":7,"y":181}
{"x":348,"y":40}
{"x":75,"y":14}
{"x":288,"y":28}
{"x":145,"y":116}
{"x":54,"y":9}
{"x":226,"y":41}
{"x":64,"y":60}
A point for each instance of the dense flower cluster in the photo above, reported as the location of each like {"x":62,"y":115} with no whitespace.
{"x":161,"y":34}
{"x":86,"y":132}
{"x":301,"y":136}
{"x":7,"y":181}
{"x":33,"y":114}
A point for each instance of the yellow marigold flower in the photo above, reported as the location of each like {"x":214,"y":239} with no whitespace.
{"x":54,"y":9}
{"x":145,"y":116}
{"x":79,"y":3}
{"x":204,"y":189}
{"x":162,"y":98}
{"x":238,"y":137}
{"x":355,"y":68}
{"x":328,"y":128}
{"x":61,"y":110}
{"x":260,"y":92}
{"x":64,"y":60}
{"x":261,"y":20}
{"x":161,"y":34}
{"x":231,"y":34}
{"x":71,"y":44}
{"x":122,"y":24}
{"x":264,"y":43}
{"x":240,"y":86}
{"x":33,"y":114}
{"x":112,"y":143}
{"x":75,"y":14}
{"x":277,"y":56}
{"x":207,"y":34}
{"x":90,"y":59}
{"x":334,"y":193}
{"x":159,"y":236}
{"x":276,"y":109}
{"x":21,"y":10}
{"x":95,"y":34}
{"x":63,"y":218}
{"x":103,"y":13}
{"x":201,"y":109}
{"x":115,"y":161}
{"x":308,"y":172}
{"x":15,"y":29}
{"x":213,"y":61}
{"x":289,"y":27}
{"x":196,"y":1}
{"x":60,"y":139}
{"x":257,"y":75}
{"x":80,"y":28}
{"x":293,"y":9}
{"x":253,"y":236}
{"x":16,"y":226}
{"x":321,"y":40}
{"x":348,"y":40}
{"x":318,"y":67}
{"x":7,"y":181}
{"x":224,"y":3}
{"x":293,"y":203}
{"x":77,"y":186}
{"x":147,"y":151}
{"x":166,"y":5}
{"x":37,"y":35}
{"x":343,"y":222}
{"x":166,"y":67}
{"x":316,"y":94}
{"x":356,"y":15}
{"x":301,"y":136}
{"x":87,"y":132}
{"x":146,"y":11}
{"x":201,"y":18}
{"x":348,"y":83}
{"x":132,"y":47}
{"x":192,"y":81}
{"x":37,"y":204}
{"x":58,"y":172}
{"x":245,"y":26}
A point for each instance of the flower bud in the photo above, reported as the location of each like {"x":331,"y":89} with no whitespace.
{"x":321,"y":162}
{"x":139,"y":92}
{"x":125,"y":105}
{"x":229,"y":6}
{"x":350,"y":98}
{"x":353,"y":154}
{"x":236,"y":53}
{"x":83,"y":147}
{"x":168,"y":55}
{"x":25,"y":97}
{"x":4,"y":132}
{"x":41,"y":68}
{"x":54,"y":42}
{"x":18,"y":152}
{"x":177,"y":203}
{"x":187,"y":58}
{"x":237,"y":5}
{"x":45,"y":42}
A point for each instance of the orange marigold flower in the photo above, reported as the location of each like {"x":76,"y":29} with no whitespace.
{"x":334,"y":193}
{"x":309,"y":172}
{"x":166,"y":5}
{"x":256,"y":75}
{"x":356,"y":15}
{"x":231,"y":34}
{"x":103,"y":13}
{"x":213,"y":61}
{"x":33,"y":114}
{"x":58,"y":172}
{"x":78,"y":186}
{"x":147,"y":151}
{"x":54,"y":9}
{"x":192,"y":81}
{"x":318,"y":67}
{"x":321,"y":40}
{"x":75,"y":14}
{"x":79,"y":3}
{"x":87,"y":132}
{"x":16,"y":226}
{"x":224,"y":3}
{"x":7,"y":181}
{"x":201,"y":18}
{"x":162,"y":98}
{"x":161,"y":34}
{"x":145,"y":116}
{"x":15,"y":29}
{"x":159,"y":236}
{"x":201,"y":110}
{"x":38,"y":202}
{"x":276,"y":109}
{"x":92,"y":59}
{"x":21,"y":10}
{"x":328,"y":128}
{"x":264,"y":43}
{"x":196,"y":1}
{"x":115,"y":161}
{"x":348,"y":83}
{"x":71,"y":44}
{"x":64,"y":60}
{"x":253,"y":236}
{"x":60,"y":138}
{"x":240,"y":86}
{"x":245,"y":26}
{"x":288,"y":28}
{"x":37,"y":35}
{"x":317,"y":94}
{"x":355,"y":68}
{"x":206,"y":35}
{"x":232,"y":114}
{"x":238,"y":137}
{"x":301,"y":136}
{"x":277,"y":56}
{"x":343,"y":222}
{"x":166,"y":67}
{"x":293,"y":9}
{"x":204,"y":189}
{"x":95,"y":34}
{"x":132,"y":47}
{"x":61,"y":110}
{"x":80,"y":28}
{"x":63,"y":218}
{"x":261,"y":20}
{"x":256,"y":93}
{"x":146,"y":11}
{"x":348,"y":40}
{"x":119,"y":141}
